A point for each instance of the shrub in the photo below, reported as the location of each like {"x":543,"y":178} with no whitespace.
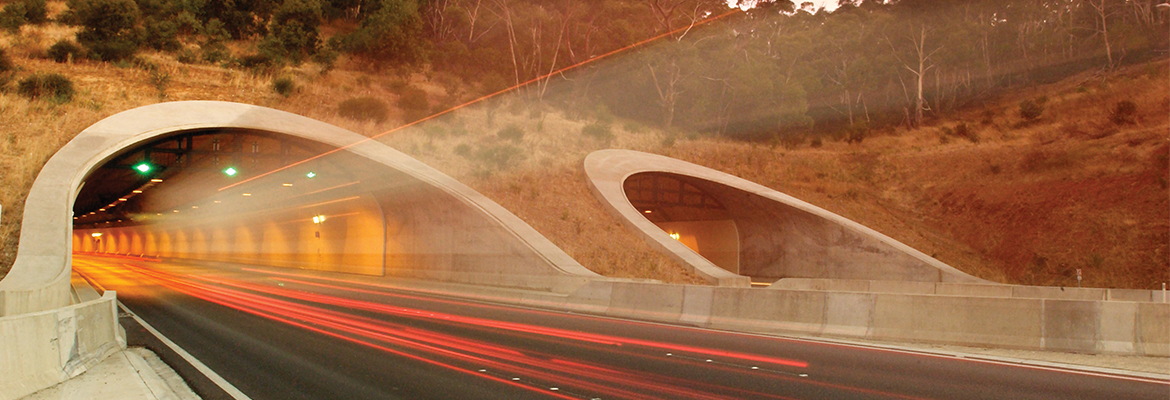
{"x":36,"y":11}
{"x":283,"y":85}
{"x":108,"y":27}
{"x":815,"y":143}
{"x":363,"y":109}
{"x":187,"y":56}
{"x":1123,"y":112}
{"x":511,"y":132}
{"x":54,"y":87}
{"x":463,"y":150}
{"x":1031,"y":110}
{"x":161,"y":35}
{"x":293,"y":33}
{"x":965,"y":131}
{"x":12,"y":17}
{"x":5,"y":62}
{"x":500,"y":157}
{"x":65,"y":50}
{"x":257,"y":61}
{"x":857,"y":132}
{"x":598,"y":131}
{"x":413,"y":102}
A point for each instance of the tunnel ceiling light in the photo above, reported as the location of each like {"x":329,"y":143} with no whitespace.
{"x":286,"y":184}
{"x":137,"y":192}
{"x":143,"y":167}
{"x":229,"y":171}
{"x":311,"y":174}
{"x":194,"y":207}
{"x":674,"y":235}
{"x":217,"y":202}
{"x":101,"y":209}
{"x":318,"y":219}
{"x":156,"y":180}
{"x":247,"y":195}
{"x":648,"y":211}
{"x":122,"y":199}
{"x":96,"y":234}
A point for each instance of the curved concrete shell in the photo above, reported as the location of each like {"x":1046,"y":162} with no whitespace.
{"x":728,"y":230}
{"x":39,"y":279}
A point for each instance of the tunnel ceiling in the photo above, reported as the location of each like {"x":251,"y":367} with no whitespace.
{"x":113,"y":192}
{"x":663,"y":197}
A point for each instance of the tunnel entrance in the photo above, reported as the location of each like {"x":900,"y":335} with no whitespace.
{"x":688,"y":214}
{"x":236,"y":195}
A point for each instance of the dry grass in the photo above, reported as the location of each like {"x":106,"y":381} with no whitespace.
{"x":1027,"y":203}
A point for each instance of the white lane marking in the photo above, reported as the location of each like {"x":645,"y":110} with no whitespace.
{"x":214,"y":377}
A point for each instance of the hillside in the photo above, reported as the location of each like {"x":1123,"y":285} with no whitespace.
{"x":1004,"y":199}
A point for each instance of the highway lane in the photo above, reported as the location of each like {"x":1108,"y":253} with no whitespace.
{"x":274,"y":334}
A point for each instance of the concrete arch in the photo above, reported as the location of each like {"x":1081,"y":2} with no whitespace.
{"x":777,"y":235}
{"x":39,"y":279}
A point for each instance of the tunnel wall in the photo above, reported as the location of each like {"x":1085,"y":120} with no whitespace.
{"x":781,"y":241}
{"x":350,"y":240}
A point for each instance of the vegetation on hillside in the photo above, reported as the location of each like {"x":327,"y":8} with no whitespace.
{"x":998,"y":135}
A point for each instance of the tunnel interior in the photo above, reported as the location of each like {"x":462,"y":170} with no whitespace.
{"x":762,"y":238}
{"x":255,"y":197}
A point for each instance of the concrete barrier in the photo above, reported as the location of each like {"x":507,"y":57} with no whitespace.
{"x":968,"y":289}
{"x":1082,"y":326}
{"x":45,"y":348}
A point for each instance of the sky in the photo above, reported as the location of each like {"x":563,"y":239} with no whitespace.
{"x":827,"y":4}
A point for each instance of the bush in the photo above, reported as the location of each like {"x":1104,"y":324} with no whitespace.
{"x":35,"y":11}
{"x":65,"y":51}
{"x":161,"y":35}
{"x":1031,"y":110}
{"x":413,"y":102}
{"x":463,"y":150}
{"x":12,"y":17}
{"x":965,"y":131}
{"x":108,"y":27}
{"x":187,"y":56}
{"x":5,"y":62}
{"x":363,"y":109}
{"x":54,"y":87}
{"x":511,"y":132}
{"x":500,"y":157}
{"x":857,"y":132}
{"x":1124,"y":112}
{"x":283,"y":85}
{"x":815,"y":142}
{"x":598,"y":131}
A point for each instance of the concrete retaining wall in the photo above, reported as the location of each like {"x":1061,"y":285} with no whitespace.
{"x":46,"y":348}
{"x":1081,"y":326}
{"x":970,"y":289}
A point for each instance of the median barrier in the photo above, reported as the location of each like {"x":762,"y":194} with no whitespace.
{"x":646,"y":301}
{"x":1132,"y":295}
{"x":977,"y":290}
{"x":45,"y":348}
{"x":1117,"y":324}
{"x":1071,"y":325}
{"x":696,"y":308}
{"x":848,"y":314}
{"x":1153,"y":329}
{"x":768,"y":310}
{"x":1056,"y":292}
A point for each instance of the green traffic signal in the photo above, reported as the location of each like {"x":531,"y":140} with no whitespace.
{"x":143,"y":167}
{"x":230,"y":171}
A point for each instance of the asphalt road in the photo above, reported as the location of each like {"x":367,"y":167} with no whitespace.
{"x":279,"y":336}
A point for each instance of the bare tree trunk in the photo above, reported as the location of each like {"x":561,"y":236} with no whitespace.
{"x":1099,"y":6}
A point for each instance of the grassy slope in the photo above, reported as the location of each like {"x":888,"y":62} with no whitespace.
{"x":1026,"y":204}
